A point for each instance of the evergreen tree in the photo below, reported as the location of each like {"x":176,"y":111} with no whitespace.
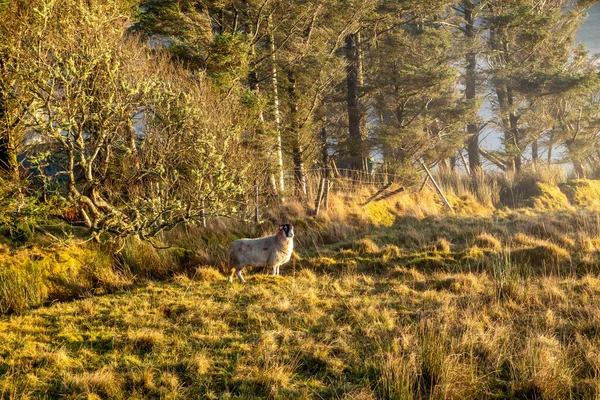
{"x":529,"y":45}
{"x":420,"y":107}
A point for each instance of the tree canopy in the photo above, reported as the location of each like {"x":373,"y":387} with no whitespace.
{"x":142,"y":114}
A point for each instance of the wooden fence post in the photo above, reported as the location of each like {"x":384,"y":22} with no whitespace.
{"x":424,"y":183}
{"x":327,"y":187}
{"x":319,"y":195}
{"x":256,"y":219}
{"x":439,"y":190}
{"x":465,"y":163}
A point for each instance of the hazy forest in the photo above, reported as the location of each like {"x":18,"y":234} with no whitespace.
{"x":138,"y":138}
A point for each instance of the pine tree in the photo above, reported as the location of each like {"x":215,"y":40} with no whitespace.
{"x":421,"y":112}
{"x":529,"y":44}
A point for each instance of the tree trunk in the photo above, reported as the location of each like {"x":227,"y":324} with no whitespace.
{"x":471,"y":88}
{"x":133,"y":145}
{"x":364,"y":129}
{"x":510,"y":127}
{"x":352,"y":82}
{"x":534,"y":151}
{"x":505,"y":102}
{"x":579,"y":168}
{"x":324,"y":149}
{"x":274,"y":83}
{"x":550,"y":146}
{"x":8,"y":143}
{"x":514,"y":130}
{"x":253,"y":81}
{"x":297,"y":150}
{"x":448,"y":165}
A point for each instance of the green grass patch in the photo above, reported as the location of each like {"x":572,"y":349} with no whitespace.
{"x":582,"y":192}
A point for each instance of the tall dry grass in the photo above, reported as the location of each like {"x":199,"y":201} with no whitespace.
{"x":407,"y":227}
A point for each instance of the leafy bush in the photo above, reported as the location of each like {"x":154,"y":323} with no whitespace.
{"x":20,"y":211}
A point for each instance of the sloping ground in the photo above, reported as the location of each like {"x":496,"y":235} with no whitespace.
{"x":496,"y":306}
{"x":404,"y":333}
{"x":533,"y":194}
{"x":39,"y":271}
{"x":582,"y":192}
{"x":482,"y":304}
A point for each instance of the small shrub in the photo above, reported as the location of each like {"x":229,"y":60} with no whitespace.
{"x":141,"y":258}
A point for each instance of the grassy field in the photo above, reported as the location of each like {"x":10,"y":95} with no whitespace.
{"x":404,"y":301}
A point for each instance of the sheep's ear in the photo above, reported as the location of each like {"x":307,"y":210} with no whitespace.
{"x":280,"y":227}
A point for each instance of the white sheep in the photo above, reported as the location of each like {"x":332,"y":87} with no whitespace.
{"x":270,"y":251}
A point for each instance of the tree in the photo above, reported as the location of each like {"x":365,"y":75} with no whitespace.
{"x":421,"y":111}
{"x":139,"y":144}
{"x":12,"y":105}
{"x":573,"y":115}
{"x":529,"y":45}
{"x":470,"y":11}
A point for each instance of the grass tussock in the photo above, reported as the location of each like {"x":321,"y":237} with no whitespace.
{"x":487,"y":241}
{"x":582,"y":192}
{"x":208,"y":274}
{"x":527,"y":191}
{"x":32,"y":277}
{"x":365,"y":246}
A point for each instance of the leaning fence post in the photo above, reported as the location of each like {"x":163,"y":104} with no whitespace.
{"x":437,"y":187}
{"x":462,"y":157}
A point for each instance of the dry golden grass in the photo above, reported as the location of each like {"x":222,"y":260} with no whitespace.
{"x":415,"y":335}
{"x":403,"y":301}
{"x":487,"y":241}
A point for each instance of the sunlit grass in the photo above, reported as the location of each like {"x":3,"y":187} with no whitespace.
{"x":499,"y":304}
{"x":398,"y":334}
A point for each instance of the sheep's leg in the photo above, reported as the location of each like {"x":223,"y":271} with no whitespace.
{"x":238,"y":272}
{"x":231,"y":275}
{"x":274,"y":273}
{"x":278,"y":269}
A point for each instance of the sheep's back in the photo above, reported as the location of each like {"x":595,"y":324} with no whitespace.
{"x":254,"y":252}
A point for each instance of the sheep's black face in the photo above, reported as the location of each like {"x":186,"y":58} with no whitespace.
{"x":288,"y":229}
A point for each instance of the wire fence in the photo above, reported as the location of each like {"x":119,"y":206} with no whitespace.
{"x":318,"y":185}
